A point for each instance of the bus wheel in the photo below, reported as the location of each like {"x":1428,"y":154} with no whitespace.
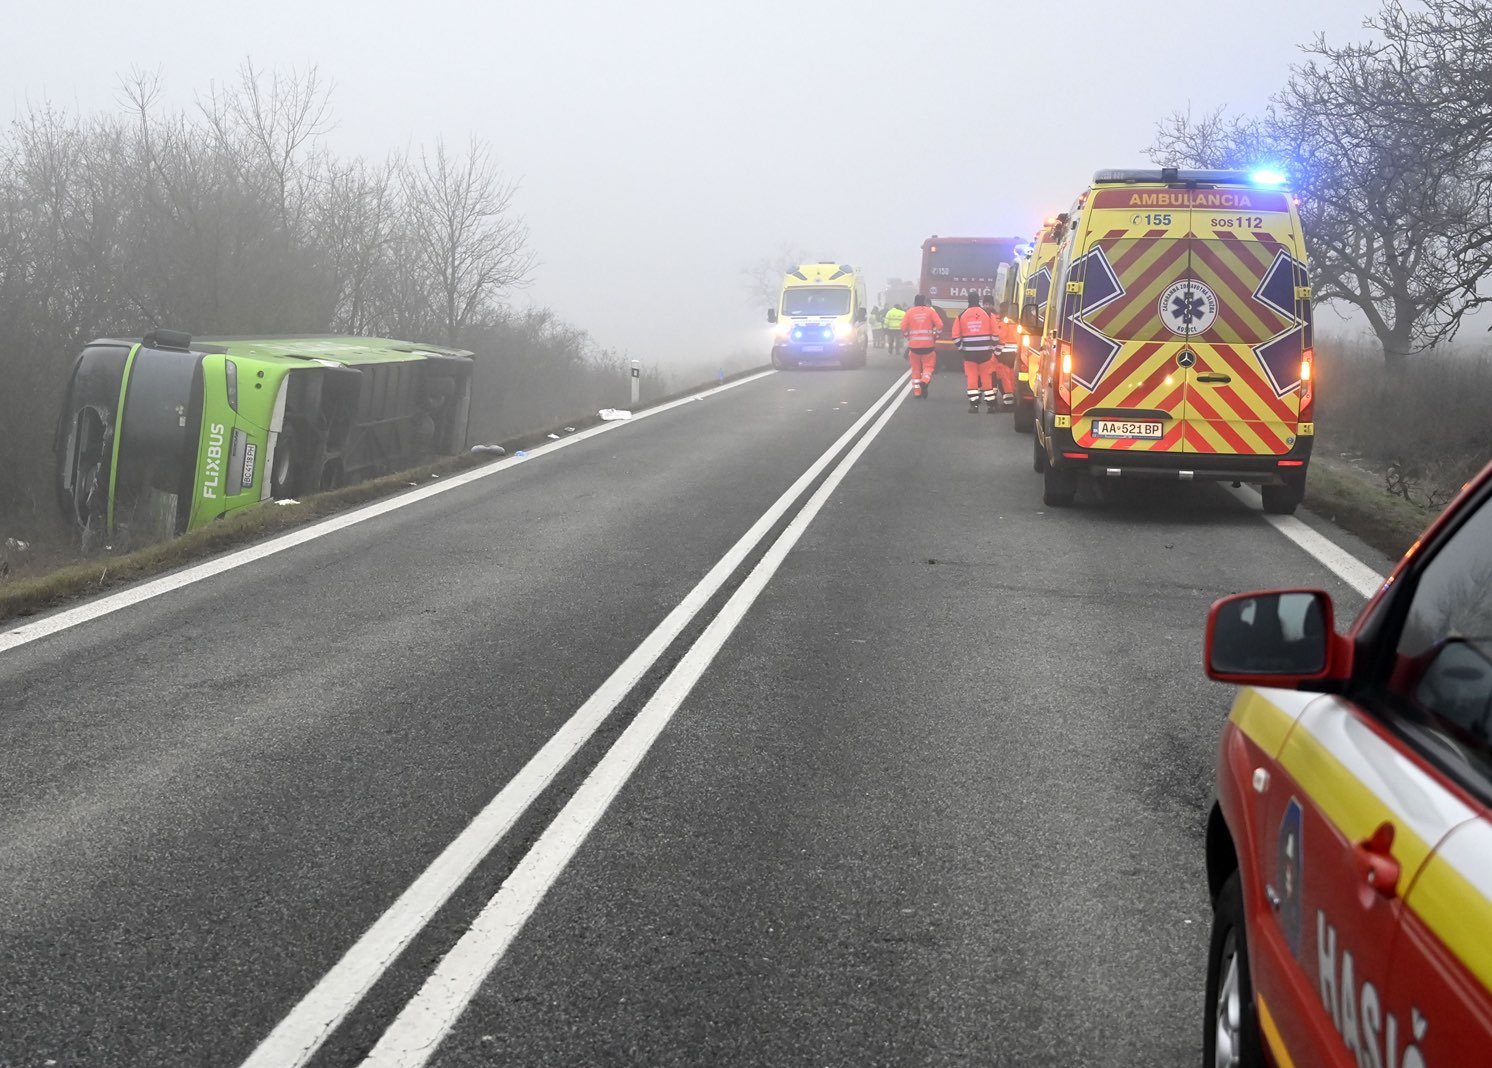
{"x":1058,"y":487}
{"x":282,"y":480}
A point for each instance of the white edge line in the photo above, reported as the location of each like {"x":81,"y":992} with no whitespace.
{"x":297,"y":1037}
{"x":85,"y":613}
{"x":1338,"y":560}
{"x":414,"y":1036}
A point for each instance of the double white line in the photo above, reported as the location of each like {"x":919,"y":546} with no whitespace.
{"x":416,"y":1032}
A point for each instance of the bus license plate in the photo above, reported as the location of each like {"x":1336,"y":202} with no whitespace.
{"x":1126,"y":428}
{"x":249,"y":452}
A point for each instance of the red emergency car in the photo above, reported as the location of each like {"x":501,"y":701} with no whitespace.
{"x":1349,"y":852}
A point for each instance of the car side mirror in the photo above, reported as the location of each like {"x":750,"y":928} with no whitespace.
{"x":860,"y":315}
{"x":1284,"y":638}
{"x":771,"y":315}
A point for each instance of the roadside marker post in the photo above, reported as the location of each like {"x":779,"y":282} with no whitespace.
{"x":636,"y":382}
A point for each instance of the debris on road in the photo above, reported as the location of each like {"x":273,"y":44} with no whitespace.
{"x":552,"y":437}
{"x":611,"y":414}
{"x":522,"y":454}
{"x":493,"y":450}
{"x":292,"y":500}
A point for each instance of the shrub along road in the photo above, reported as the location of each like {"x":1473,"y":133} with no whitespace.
{"x":937,"y":794}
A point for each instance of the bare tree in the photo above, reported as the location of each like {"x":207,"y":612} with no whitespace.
{"x":269,"y":129}
{"x":1441,"y":64}
{"x":1396,"y":201}
{"x":354,"y":218}
{"x":762,"y":279}
{"x":466,"y":234}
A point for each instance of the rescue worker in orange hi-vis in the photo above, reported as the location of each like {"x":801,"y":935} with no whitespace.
{"x":921,"y":327}
{"x":974,"y":335}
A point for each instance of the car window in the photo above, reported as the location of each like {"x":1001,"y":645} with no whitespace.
{"x":1443,"y":668}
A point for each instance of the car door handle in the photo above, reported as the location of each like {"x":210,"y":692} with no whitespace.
{"x":1375,"y":860}
{"x":1218,"y":378}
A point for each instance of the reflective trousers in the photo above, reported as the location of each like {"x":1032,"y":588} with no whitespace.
{"x":924,"y":363}
{"x":980,"y":378}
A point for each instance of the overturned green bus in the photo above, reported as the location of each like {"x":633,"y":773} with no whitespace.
{"x":166,"y":434}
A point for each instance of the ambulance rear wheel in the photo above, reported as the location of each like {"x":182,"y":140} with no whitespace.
{"x":1025,"y":415}
{"x":1231,"y":1035}
{"x":1283,"y":500}
{"x":1058,"y":487}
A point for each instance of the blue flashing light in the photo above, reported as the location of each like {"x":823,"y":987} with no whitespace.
{"x":1267,"y":178}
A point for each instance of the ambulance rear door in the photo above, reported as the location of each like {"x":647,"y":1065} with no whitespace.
{"x":1128,"y":385}
{"x":1244,"y":312}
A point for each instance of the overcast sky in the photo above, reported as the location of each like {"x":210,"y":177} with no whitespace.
{"x":662,"y":146}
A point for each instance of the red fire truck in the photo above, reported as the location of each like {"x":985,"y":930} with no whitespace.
{"x":952,"y":268}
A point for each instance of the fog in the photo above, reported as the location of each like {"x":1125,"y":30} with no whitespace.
{"x":663,"y":146}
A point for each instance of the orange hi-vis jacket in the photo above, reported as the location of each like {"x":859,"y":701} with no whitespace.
{"x":974,"y":334}
{"x":922,"y":327}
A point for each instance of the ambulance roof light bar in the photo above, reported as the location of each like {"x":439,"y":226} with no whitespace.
{"x":1178,"y":174}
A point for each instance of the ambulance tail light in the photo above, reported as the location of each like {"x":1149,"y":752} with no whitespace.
{"x":1064,"y":378}
{"x":1307,"y":386}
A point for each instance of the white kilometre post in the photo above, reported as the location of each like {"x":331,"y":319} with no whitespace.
{"x":636,"y":382}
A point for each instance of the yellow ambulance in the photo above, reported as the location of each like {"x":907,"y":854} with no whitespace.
{"x":1033,"y":291}
{"x":1178,"y":340}
{"x":820,"y":317}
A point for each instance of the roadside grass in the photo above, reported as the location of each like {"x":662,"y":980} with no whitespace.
{"x":25,"y":596}
{"x":1353,"y":500}
{"x":1424,"y":429}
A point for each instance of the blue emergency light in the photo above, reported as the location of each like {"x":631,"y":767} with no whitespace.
{"x":1267,"y":177}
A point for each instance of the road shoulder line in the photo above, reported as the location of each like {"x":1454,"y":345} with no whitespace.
{"x":1336,"y":559}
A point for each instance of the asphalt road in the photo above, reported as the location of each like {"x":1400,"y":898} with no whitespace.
{"x":939,"y":798}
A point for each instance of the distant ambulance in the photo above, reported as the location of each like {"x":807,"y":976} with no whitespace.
{"x":820,"y":317}
{"x":1178,"y":342}
{"x":1031,"y":292}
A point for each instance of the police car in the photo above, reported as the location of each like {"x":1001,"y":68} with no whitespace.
{"x":1349,"y":851}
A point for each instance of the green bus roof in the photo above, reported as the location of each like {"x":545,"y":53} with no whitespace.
{"x":333,"y":348}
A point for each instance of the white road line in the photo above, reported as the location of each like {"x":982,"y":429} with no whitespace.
{"x":414,"y":1036}
{"x":104,"y":606}
{"x":300,"y":1034}
{"x":1338,"y":560}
